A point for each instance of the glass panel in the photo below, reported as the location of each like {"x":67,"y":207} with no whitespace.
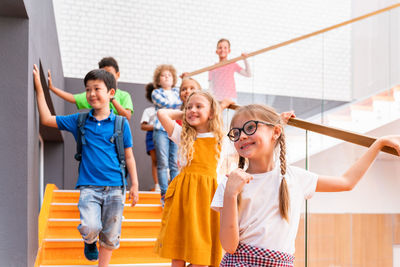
{"x":345,"y":78}
{"x":356,"y":228}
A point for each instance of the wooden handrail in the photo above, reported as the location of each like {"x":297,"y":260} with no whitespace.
{"x":348,"y":136}
{"x":263,"y":50}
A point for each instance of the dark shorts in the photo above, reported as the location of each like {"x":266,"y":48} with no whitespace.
{"x":149,"y":142}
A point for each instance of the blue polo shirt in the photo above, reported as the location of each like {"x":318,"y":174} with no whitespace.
{"x":99,"y":165}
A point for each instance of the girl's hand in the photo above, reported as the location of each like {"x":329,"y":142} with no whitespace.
{"x":391,"y":141}
{"x":285,"y":116}
{"x":236,"y":181}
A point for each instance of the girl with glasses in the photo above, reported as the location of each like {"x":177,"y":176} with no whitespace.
{"x":260,"y":207}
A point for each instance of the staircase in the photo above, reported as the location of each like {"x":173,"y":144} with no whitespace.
{"x":361,"y":116}
{"x":60,"y":243}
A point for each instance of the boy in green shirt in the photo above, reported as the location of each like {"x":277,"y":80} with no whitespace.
{"x":121,"y":103}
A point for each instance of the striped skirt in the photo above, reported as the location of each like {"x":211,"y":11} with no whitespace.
{"x":246,"y":255}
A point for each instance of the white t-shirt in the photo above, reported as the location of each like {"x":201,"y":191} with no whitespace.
{"x":170,"y":95}
{"x":149,"y":115}
{"x":176,"y":138}
{"x":222,"y":167}
{"x":176,"y":134}
{"x":260,"y":223}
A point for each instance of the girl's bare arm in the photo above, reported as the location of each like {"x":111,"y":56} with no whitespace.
{"x":353,"y":175}
{"x":167,"y":118}
{"x":229,"y":233}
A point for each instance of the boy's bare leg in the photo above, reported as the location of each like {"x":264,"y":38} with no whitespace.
{"x":104,"y":256}
{"x":178,"y":263}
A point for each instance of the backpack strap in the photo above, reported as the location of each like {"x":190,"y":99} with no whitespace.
{"x":80,"y":140}
{"x":118,"y":138}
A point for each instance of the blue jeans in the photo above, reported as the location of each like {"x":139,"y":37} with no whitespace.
{"x":167,"y":157}
{"x":100,"y":209}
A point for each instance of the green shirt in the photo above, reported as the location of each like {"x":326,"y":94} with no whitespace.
{"x":123,"y":97}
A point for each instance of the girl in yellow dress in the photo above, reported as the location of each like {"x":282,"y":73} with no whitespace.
{"x":190,"y":229}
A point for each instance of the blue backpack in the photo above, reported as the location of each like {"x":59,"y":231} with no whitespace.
{"x":117,"y":137}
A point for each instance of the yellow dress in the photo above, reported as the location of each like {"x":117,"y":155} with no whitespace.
{"x":189,"y":227}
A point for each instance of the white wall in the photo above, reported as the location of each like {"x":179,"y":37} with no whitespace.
{"x":142,"y":34}
{"x":375,"y":52}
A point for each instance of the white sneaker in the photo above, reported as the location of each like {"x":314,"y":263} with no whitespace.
{"x":157,"y":188}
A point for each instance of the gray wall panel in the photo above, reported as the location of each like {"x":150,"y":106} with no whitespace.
{"x":54,"y":167}
{"x":13,"y":156}
{"x":28,"y":35}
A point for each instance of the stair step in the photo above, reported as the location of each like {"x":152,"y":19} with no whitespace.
{"x":125,"y":205}
{"x":131,"y":228}
{"x":72,"y":196}
{"x":70,"y":252}
{"x":116,"y":265}
{"x":387,"y":98}
{"x":144,"y":211}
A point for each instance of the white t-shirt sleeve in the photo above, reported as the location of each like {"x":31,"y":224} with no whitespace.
{"x":176,"y":134}
{"x":145,"y":116}
{"x":246,"y":71}
{"x":307,"y":180}
{"x":149,"y":115}
{"x":218,"y":200}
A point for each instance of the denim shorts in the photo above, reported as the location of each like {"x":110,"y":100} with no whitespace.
{"x":100,"y":209}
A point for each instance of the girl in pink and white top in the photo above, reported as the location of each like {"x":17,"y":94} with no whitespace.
{"x":260,"y":207}
{"x":222,"y":82}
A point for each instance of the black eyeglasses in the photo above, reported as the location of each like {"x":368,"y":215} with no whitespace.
{"x":249,"y":128}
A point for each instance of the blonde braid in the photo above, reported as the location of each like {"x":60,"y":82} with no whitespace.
{"x":284,"y":204}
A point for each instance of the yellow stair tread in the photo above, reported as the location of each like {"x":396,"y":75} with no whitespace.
{"x":137,"y":212}
{"x":68,"y":196}
{"x":131,"y":228}
{"x":71,"y":252}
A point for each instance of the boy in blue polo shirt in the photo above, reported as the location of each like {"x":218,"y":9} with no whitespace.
{"x":100,"y":179}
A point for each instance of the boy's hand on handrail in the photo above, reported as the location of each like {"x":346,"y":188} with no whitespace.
{"x":245,"y":55}
{"x":285,"y":116}
{"x":225,"y":103}
{"x":183,"y":75}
